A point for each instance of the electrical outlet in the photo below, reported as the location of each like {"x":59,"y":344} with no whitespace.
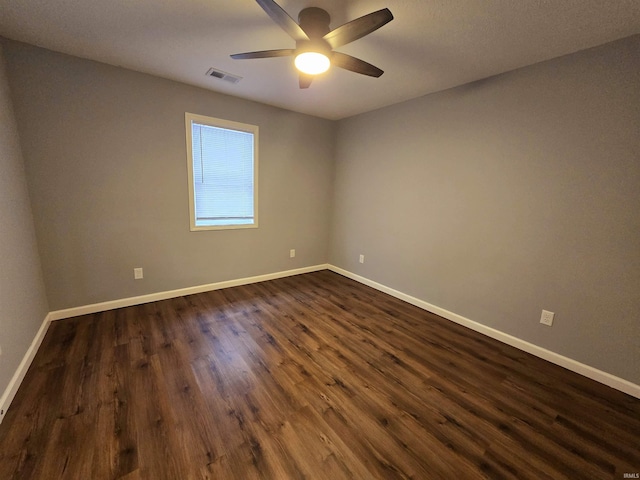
{"x":547,"y":318}
{"x":137,"y":273}
{"x":361,"y":258}
{"x":292,"y":253}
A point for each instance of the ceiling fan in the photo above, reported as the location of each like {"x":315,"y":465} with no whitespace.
{"x":315,"y":42}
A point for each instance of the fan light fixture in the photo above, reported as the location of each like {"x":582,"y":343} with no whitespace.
{"x":316,"y":43}
{"x":312,"y":63}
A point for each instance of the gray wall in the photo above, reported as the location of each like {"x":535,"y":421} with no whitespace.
{"x":106,"y":164}
{"x":507,"y":196}
{"x":493,"y":200}
{"x":23,"y":303}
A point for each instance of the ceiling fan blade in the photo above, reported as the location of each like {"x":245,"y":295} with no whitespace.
{"x":305,"y":80}
{"x":358,"y":28}
{"x":283,"y":19}
{"x":354,"y":64}
{"x":263,"y":54}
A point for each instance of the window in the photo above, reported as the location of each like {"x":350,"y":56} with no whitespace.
{"x":222,"y":159}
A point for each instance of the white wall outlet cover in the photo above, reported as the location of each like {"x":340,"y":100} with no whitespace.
{"x":361,"y":259}
{"x":292,"y":253}
{"x":137,"y":273}
{"x":547,"y":318}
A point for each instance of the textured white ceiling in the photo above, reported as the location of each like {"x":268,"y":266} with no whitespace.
{"x":431,"y":45}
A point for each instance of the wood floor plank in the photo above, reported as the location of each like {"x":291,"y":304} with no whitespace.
{"x":307,"y":377}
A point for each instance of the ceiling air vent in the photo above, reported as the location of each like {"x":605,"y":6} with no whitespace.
{"x":226,"y":76}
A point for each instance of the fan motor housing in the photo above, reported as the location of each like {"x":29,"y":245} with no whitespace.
{"x":314,"y":45}
{"x":314,"y":21}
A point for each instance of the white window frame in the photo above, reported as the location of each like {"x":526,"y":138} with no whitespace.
{"x":190,"y":119}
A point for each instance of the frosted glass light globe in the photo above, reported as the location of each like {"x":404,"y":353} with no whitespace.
{"x":312,"y":63}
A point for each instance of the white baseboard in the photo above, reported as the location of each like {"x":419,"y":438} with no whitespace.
{"x":568,"y":363}
{"x":16,"y":380}
{"x":18,"y":376}
{"x":154,"y":297}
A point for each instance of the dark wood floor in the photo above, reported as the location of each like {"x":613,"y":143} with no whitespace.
{"x":313,"y":376}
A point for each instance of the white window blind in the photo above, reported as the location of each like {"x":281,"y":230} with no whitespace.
{"x":222,"y":173}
